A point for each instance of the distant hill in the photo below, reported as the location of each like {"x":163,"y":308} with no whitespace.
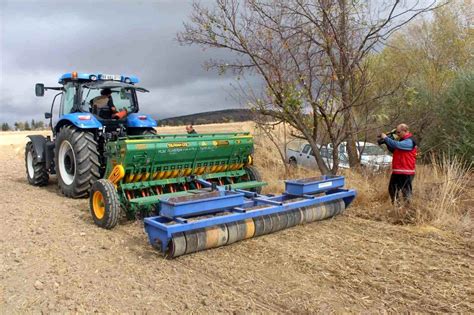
{"x":220,"y":116}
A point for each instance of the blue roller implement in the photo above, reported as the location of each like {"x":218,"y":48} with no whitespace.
{"x":212,"y":218}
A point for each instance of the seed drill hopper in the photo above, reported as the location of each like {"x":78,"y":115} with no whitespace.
{"x":201,"y":191}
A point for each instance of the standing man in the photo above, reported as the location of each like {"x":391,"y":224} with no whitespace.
{"x":190,"y":129}
{"x":403,"y":163}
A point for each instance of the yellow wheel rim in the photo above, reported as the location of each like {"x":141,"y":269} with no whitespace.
{"x":98,"y":205}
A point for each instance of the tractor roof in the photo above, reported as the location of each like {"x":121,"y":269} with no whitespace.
{"x":113,"y":84}
{"x":97,"y":77}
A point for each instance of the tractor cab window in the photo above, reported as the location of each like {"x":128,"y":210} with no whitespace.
{"x":67,"y":100}
{"x":122,"y":98}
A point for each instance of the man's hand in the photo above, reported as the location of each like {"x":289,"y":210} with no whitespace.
{"x":383,"y":136}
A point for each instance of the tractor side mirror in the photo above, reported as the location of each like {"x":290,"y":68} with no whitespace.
{"x":39,"y":89}
{"x":47,"y":115}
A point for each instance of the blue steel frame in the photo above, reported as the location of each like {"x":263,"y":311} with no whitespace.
{"x":207,"y":204}
{"x":313,"y":185}
{"x":158,"y":227}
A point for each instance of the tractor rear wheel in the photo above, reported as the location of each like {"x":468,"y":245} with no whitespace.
{"x":36,"y":171}
{"x":253,"y":175}
{"x":104,"y":204}
{"x":77,"y":161}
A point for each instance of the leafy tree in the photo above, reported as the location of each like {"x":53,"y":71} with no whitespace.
{"x":19,"y":125}
{"x":27,"y":126}
{"x":424,"y":60}
{"x":5,"y":127}
{"x":309,"y":54}
{"x":454,"y":132}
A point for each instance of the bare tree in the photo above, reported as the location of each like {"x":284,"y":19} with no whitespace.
{"x":310,"y":55}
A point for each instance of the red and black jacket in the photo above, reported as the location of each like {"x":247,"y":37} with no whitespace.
{"x":404,"y":154}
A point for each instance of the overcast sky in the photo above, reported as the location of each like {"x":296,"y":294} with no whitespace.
{"x":40,"y":40}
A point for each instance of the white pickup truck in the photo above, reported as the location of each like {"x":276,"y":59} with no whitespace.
{"x":371,"y":156}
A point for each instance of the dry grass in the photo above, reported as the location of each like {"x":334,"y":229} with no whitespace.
{"x":443,"y":190}
{"x":443,"y":195}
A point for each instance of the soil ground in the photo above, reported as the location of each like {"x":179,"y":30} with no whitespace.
{"x":54,"y":259}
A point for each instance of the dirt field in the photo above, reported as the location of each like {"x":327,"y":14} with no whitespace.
{"x":54,"y":259}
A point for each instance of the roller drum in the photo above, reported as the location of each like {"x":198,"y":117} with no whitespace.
{"x":319,"y":212}
{"x":283,"y":216}
{"x":308,"y":214}
{"x":240,"y":230}
{"x":177,"y":246}
{"x":224,"y":234}
{"x":195,"y":240}
{"x":216,"y":236}
{"x":236,"y":231}
{"x":291,"y":218}
{"x":275,"y":222}
{"x":263,"y":225}
{"x":249,"y":228}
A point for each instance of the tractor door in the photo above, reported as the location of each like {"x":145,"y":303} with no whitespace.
{"x":65,"y":105}
{"x":68,"y":99}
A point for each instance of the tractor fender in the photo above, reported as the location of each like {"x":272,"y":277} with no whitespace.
{"x":80,"y":120}
{"x":137,"y":120}
{"x":39,"y":145}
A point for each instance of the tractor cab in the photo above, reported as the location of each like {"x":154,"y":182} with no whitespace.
{"x":110,"y":101}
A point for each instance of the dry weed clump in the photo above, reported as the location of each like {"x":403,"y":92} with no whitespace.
{"x":443,"y":190}
{"x":442,"y":196}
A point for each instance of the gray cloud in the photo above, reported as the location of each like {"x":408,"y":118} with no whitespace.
{"x":42,"y":40}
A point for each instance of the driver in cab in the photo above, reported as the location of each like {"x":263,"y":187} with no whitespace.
{"x":103,"y":105}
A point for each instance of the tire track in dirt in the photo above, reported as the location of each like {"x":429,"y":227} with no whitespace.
{"x":244,"y":295}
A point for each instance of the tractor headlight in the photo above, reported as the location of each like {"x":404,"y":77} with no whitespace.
{"x":127,"y":80}
{"x":93,"y":77}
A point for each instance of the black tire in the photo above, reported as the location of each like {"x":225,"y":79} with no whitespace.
{"x":140,"y":131}
{"x":77,"y":161}
{"x":149,"y":132}
{"x":253,"y":175}
{"x":104,"y":204}
{"x":36,"y":171}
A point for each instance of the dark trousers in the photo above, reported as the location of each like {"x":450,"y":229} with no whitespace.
{"x":400,"y":182}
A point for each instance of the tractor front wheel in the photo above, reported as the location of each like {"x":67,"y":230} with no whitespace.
{"x":77,"y":161}
{"x":36,"y":171}
{"x":104,"y":204}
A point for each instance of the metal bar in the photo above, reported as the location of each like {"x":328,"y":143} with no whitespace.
{"x":222,"y":174}
{"x":299,"y":196}
{"x":150,"y":200}
{"x":238,"y":209}
{"x":248,"y":194}
{"x":203,"y":182}
{"x":181,"y":220}
{"x":267,"y":201}
{"x":244,"y":185}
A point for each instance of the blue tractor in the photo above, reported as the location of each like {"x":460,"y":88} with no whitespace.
{"x":93,"y":109}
